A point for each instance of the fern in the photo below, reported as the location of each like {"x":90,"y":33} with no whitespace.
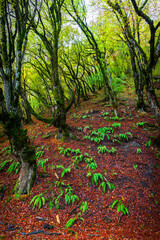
{"x":7,"y":150}
{"x":84,"y":206}
{"x":116,"y":125}
{"x":61,"y":150}
{"x":92,"y":165}
{"x":65,"y":170}
{"x":14,"y":167}
{"x":3,"y":164}
{"x":110,"y":185}
{"x":70,"y":222}
{"x":39,"y":154}
{"x":141,"y":124}
{"x":96,"y":177}
{"x":103,"y":186}
{"x":69,"y":197}
{"x":41,"y":162}
{"x":120,"y":208}
{"x":38,"y":200}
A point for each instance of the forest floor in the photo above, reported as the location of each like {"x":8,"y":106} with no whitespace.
{"x":127,"y":158}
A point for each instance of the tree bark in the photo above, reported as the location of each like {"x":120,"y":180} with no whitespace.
{"x":21,"y":148}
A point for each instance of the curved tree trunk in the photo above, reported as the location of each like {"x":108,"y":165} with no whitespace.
{"x":21,"y":148}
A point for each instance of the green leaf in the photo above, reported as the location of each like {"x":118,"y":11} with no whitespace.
{"x":113,"y":204}
{"x":84,"y":206}
{"x":70,"y":222}
{"x":43,"y":200}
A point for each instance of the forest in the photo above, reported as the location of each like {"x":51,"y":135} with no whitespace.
{"x":79,"y":119}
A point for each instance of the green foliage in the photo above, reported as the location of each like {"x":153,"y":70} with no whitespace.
{"x":89,"y":174}
{"x":113,"y":204}
{"x":120,"y":207}
{"x":103,"y":149}
{"x":158,"y":155}
{"x":3,"y":164}
{"x":85,"y":116}
{"x":96,"y":80}
{"x":65,"y":170}
{"x":105,"y":114}
{"x":41,"y":162}
{"x":110,"y":185}
{"x":98,"y":136}
{"x":38,"y":200}
{"x":39,"y":153}
{"x":7,"y":150}
{"x":69,"y":197}
{"x":96,"y":178}
{"x":116,"y":140}
{"x":141,"y":124}
{"x":125,"y":136}
{"x":118,"y":84}
{"x":135,"y":166}
{"x":75,"y":116}
{"x":78,"y":159}
{"x":84,"y":206}
{"x":139,"y":150}
{"x":70,"y":222}
{"x":57,"y":199}
{"x":60,"y":183}
{"x":103,"y":186}
{"x":68,"y":151}
{"x":116,"y":118}
{"x":148,"y":144}
{"x":89,"y":160}
{"x":14,"y":167}
{"x":92,"y":165}
{"x":46,"y":136}
{"x":51,"y":205}
{"x":116,"y":125}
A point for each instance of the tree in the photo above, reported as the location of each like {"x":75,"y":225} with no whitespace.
{"x":14,"y":29}
{"x":49,"y":34}
{"x":100,"y":56}
{"x":142,"y":62}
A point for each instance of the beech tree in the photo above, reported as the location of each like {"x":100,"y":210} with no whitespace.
{"x":48,"y":30}
{"x":143,"y":62}
{"x":14,"y":29}
{"x":99,"y":54}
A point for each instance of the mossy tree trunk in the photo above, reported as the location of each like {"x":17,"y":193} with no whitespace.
{"x":23,"y":150}
{"x":138,"y":78}
{"x":13,"y":43}
{"x":145,"y":62}
{"x":51,"y":45}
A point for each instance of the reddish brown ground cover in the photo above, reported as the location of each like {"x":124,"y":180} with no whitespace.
{"x":136,"y":177}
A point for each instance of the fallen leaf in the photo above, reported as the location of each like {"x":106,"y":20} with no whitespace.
{"x":57,"y":218}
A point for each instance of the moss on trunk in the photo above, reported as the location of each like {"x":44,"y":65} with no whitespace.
{"x":23,"y":150}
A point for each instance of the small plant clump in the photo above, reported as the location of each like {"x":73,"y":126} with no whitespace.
{"x":38,"y":200}
{"x":120,"y":208}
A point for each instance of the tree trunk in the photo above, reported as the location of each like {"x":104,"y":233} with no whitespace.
{"x":138,"y":80}
{"x":152,"y":98}
{"x":22,"y":150}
